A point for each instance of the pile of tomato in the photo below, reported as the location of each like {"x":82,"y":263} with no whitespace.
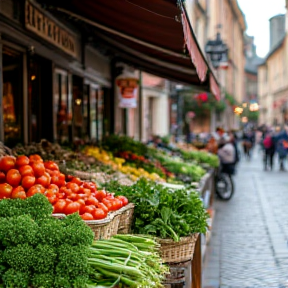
{"x":24,"y":176}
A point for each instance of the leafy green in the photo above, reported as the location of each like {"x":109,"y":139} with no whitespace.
{"x":163,"y":212}
{"x":43,"y":280}
{"x":15,"y":279}
{"x":76,"y":231}
{"x":44,"y":264}
{"x":19,"y":257}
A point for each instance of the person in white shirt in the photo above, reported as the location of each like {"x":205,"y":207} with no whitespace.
{"x":227,"y":155}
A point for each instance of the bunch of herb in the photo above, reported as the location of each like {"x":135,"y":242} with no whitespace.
{"x":163,"y":212}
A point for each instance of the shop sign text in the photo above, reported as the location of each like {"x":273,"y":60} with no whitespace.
{"x":46,"y":28}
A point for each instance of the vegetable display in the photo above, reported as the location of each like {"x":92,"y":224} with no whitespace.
{"x":24,"y":177}
{"x":163,"y":212}
{"x":129,"y":260}
{"x":38,"y":250}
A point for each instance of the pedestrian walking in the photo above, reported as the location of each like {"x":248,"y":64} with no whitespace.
{"x":281,"y":141}
{"x":247,"y":143}
{"x":269,"y":150}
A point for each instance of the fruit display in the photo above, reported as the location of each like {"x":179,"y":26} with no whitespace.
{"x":120,"y":164}
{"x":24,"y":177}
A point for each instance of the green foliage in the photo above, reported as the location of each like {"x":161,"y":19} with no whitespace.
{"x":201,"y":157}
{"x":20,"y":257}
{"x":29,"y":246}
{"x":162,"y":212}
{"x":115,"y":143}
{"x":72,"y":261}
{"x":13,"y":278}
{"x":43,"y":280}
{"x":18,"y":230}
{"x":37,"y":207}
{"x":76,"y":231}
{"x":44,"y":258}
{"x":51,"y":232}
{"x":232,"y":101}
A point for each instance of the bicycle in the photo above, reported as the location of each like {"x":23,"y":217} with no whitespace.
{"x":224,"y":184}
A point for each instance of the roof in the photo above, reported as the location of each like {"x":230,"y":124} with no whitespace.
{"x":274,"y":49}
{"x":252,"y":63}
{"x":149,"y":34}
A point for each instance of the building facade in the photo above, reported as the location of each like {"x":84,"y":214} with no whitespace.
{"x":210,"y":17}
{"x":272,"y":75}
{"x":53,"y":82}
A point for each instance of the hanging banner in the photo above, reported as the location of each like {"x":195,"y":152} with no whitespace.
{"x":127,"y":90}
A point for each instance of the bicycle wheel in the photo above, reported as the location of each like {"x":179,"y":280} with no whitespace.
{"x":224,"y":186}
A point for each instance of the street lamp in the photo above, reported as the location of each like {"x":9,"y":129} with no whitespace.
{"x":217,"y":51}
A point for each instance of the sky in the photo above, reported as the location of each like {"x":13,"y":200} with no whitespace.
{"x":257,"y":14}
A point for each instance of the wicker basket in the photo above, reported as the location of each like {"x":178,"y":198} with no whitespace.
{"x":126,"y":217}
{"x":175,"y":252}
{"x":106,"y":228}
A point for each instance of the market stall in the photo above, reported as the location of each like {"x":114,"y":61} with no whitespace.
{"x":172,"y":220}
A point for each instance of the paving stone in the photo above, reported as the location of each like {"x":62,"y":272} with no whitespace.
{"x":250,"y":232}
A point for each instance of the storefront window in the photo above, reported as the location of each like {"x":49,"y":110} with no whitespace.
{"x":96,"y":112}
{"x":12,"y":96}
{"x":62,"y":106}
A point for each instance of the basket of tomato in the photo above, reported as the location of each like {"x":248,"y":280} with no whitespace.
{"x":25,"y":176}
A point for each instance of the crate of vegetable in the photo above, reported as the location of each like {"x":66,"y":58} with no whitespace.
{"x":175,"y":217}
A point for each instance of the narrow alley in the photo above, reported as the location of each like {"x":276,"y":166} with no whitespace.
{"x":249,"y":245}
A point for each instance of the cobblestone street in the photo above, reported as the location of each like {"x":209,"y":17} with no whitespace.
{"x":249,"y":247}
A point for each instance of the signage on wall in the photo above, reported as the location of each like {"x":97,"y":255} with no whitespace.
{"x":37,"y":22}
{"x":127,"y":89}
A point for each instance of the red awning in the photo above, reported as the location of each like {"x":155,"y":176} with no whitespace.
{"x":150,"y":34}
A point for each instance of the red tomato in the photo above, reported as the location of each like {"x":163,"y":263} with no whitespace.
{"x":91,"y":201}
{"x":89,"y":209}
{"x":44,"y":180}
{"x":58,"y":180}
{"x":60,"y":195}
{"x":72,"y":208}
{"x":51,"y":165}
{"x":82,"y":205}
{"x":73,"y":186}
{"x":2,"y":177}
{"x":26,"y":170}
{"x":22,"y":160}
{"x":77,"y":181}
{"x":52,"y":199}
{"x":87,"y":216}
{"x":59,"y":206}
{"x":108,"y":204}
{"x":54,"y":187}
{"x":90,"y":185}
{"x":82,"y":196}
{"x":38,"y":168}
{"x":100,"y":195}
{"x":13,"y":177}
{"x":18,"y":192}
{"x":103,"y":207}
{"x":35,"y":189}
{"x":35,"y":158}
{"x":5,"y":190}
{"x":28,"y":181}
{"x":72,"y":196}
{"x":49,"y":193}
{"x":7,"y":163}
{"x":123,"y":199}
{"x":117,"y":204}
{"x":98,"y":214}
{"x":68,"y":178}
{"x":68,"y":201}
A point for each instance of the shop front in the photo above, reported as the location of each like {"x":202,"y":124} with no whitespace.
{"x":48,"y":91}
